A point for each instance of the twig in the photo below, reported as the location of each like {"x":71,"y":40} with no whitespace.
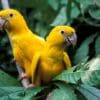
{"x":5,"y":4}
{"x":25,"y":81}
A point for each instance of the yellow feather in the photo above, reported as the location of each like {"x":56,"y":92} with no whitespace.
{"x":42,"y":60}
{"x":53,"y":59}
{"x":24,"y":42}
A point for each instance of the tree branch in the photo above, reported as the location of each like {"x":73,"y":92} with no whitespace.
{"x":5,"y":4}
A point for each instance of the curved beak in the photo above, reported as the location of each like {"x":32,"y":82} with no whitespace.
{"x":72,"y":40}
{"x":2,"y":23}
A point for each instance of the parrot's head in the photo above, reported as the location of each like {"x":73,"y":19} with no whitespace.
{"x":11,"y":20}
{"x":61,"y":35}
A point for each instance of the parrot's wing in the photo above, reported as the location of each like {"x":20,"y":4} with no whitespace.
{"x":34,"y":65}
{"x":67,"y":60}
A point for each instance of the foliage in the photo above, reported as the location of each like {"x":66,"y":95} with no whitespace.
{"x":83,"y":79}
{"x":90,"y":93}
{"x":6,"y":80}
{"x":87,"y":74}
{"x":63,"y":92}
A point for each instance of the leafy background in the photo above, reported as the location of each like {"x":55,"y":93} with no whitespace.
{"x":41,"y":17}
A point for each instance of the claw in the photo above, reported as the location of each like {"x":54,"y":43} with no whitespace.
{"x":23,"y":77}
{"x":29,"y":86}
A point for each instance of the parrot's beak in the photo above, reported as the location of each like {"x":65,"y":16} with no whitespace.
{"x":2,"y":23}
{"x":72,"y":40}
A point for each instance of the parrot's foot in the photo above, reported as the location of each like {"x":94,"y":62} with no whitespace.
{"x":25,"y":80}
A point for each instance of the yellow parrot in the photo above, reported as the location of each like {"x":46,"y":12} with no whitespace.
{"x":27,"y":46}
{"x":53,"y":60}
{"x":24,"y":42}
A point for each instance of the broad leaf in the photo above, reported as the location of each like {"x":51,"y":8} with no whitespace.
{"x":85,"y":1}
{"x":64,"y":92}
{"x":95,"y":13}
{"x":41,"y":30}
{"x":69,"y":8}
{"x":75,"y":11}
{"x":92,"y":75}
{"x":70,"y":76}
{"x":60,"y":18}
{"x":18,"y":93}
{"x":97,"y":45}
{"x":92,"y":78}
{"x":15,"y":93}
{"x":54,"y":4}
{"x":97,"y":2}
{"x":93,"y":64}
{"x":6,"y":80}
{"x":31,"y":93}
{"x":83,"y":50}
{"x":91,"y":22}
{"x":31,"y":4}
{"x":90,"y":93}
{"x":63,"y":2}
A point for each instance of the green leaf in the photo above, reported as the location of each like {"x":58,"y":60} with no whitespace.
{"x":54,"y":4}
{"x":80,"y":65}
{"x":92,"y":78}
{"x":90,"y":93}
{"x":90,"y":21}
{"x":60,"y":18}
{"x":70,"y":76}
{"x":69,"y":8}
{"x":19,"y":93}
{"x":92,"y":75}
{"x":31,"y":93}
{"x":31,"y":4}
{"x":75,"y":11}
{"x":93,"y":64}
{"x":6,"y":80}
{"x":83,"y":50}
{"x":89,"y":73}
{"x":41,"y":30}
{"x":11,"y":93}
{"x":64,"y":92}
{"x":85,"y":2}
{"x":97,"y":45}
{"x":63,"y":2}
{"x":97,"y":2}
{"x":95,"y":13}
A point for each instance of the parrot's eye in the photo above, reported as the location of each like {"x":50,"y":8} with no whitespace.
{"x":62,"y":32}
{"x":10,"y":15}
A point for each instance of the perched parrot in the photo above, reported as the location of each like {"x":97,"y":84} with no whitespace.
{"x":53,"y":60}
{"x":32,"y":52}
{"x":24,"y":42}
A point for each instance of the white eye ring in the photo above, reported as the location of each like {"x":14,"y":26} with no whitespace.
{"x":62,"y":32}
